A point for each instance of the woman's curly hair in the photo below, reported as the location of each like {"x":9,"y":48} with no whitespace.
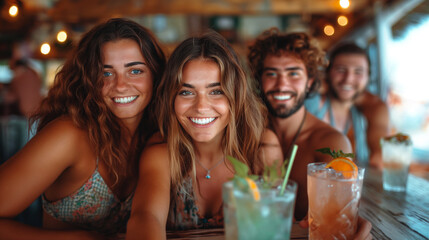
{"x":299,"y":45}
{"x":76,"y":93}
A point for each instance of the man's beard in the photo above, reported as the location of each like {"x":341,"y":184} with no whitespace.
{"x":282,"y":111}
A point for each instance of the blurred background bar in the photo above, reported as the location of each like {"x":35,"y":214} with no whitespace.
{"x":394,"y":32}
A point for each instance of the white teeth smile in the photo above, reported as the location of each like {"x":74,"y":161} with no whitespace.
{"x":124,"y":100}
{"x":282,"y":97}
{"x":347,"y":87}
{"x":202,"y":121}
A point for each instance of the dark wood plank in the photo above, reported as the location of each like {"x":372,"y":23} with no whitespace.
{"x":218,"y":233}
{"x":396,"y":215}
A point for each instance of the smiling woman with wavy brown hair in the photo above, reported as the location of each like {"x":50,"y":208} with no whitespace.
{"x":92,"y":126}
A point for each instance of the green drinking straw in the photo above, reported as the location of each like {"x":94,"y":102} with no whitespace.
{"x":289,"y":167}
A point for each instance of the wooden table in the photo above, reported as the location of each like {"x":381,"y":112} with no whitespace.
{"x":218,"y":234}
{"x":396,"y":215}
{"x":393,"y":215}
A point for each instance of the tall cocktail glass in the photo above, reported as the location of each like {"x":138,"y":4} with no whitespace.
{"x":248,"y":219}
{"x":397,"y":155}
{"x":333,"y":199}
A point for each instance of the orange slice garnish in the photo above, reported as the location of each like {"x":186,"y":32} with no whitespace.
{"x":253,"y":189}
{"x":344,"y":165}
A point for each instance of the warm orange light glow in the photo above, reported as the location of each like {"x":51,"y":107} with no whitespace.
{"x":342,"y":20}
{"x":45,"y":48}
{"x":13,"y":11}
{"x":329,"y":30}
{"x":62,"y":36}
{"x":345,"y":3}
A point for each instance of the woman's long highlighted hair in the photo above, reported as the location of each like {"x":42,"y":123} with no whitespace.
{"x":242,"y":137}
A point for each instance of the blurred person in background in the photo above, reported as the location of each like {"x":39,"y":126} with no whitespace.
{"x":24,"y":93}
{"x":348,"y":107}
{"x":19,"y":99}
{"x":91,"y":129}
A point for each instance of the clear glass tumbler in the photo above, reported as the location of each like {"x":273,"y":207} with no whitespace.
{"x":269,"y":218}
{"x":333,"y":202}
{"x":397,"y":157}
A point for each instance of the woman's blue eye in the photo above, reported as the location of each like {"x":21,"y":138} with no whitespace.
{"x":217,"y":92}
{"x":136,"y":71}
{"x":107,"y":74}
{"x":271,"y":74}
{"x":294,"y":74}
{"x":185,"y":93}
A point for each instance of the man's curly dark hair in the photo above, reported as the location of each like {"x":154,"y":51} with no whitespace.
{"x":298,"y":45}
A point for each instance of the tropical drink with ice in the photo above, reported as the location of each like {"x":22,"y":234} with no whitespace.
{"x":258,"y":209}
{"x":269,"y":217}
{"x":397,"y":154}
{"x":333,"y":197}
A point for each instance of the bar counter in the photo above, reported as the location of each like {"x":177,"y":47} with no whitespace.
{"x":396,"y":215}
{"x":393,"y":215}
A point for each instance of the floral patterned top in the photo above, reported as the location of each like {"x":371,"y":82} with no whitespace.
{"x":183,"y":213}
{"x":92,"y":207}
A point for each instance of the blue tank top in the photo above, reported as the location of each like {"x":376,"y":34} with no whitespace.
{"x":359,"y":124}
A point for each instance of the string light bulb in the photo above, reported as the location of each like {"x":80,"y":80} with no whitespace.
{"x":45,"y":48}
{"x":345,"y":4}
{"x":13,"y":11}
{"x":62,"y":36}
{"x":342,"y":21}
{"x":329,"y":30}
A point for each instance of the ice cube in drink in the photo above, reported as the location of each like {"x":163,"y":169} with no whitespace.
{"x":268,"y":218}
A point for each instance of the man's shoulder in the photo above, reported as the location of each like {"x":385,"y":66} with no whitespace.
{"x":318,"y":127}
{"x":321,"y":134}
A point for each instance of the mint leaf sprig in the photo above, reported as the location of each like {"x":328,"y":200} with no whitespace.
{"x":270,"y":174}
{"x":334,"y":154}
{"x":241,"y":173}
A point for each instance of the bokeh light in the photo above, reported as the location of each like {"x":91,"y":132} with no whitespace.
{"x":345,"y":3}
{"x":45,"y":48}
{"x":329,"y":30}
{"x":62,"y":36}
{"x":13,"y":11}
{"x":342,"y":21}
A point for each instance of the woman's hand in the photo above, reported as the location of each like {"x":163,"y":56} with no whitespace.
{"x":363,"y":229}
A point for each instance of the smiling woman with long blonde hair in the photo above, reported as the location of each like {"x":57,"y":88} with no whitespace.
{"x":207,"y":111}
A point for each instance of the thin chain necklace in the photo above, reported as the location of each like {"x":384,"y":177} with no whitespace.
{"x":297,"y":133}
{"x":208,"y":170}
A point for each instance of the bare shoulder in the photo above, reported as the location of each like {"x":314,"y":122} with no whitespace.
{"x":271,"y":150}
{"x":372,"y":106}
{"x":269,"y":137}
{"x":156,"y":154}
{"x":65,"y":127}
{"x":58,"y":147}
{"x":69,"y":140}
{"x":322,"y":135}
